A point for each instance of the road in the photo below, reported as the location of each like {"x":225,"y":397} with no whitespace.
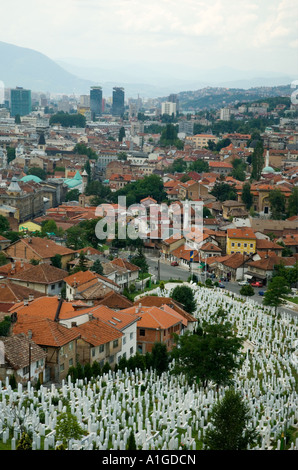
{"x":182,"y":273}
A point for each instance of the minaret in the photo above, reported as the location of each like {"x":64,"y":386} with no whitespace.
{"x":85,"y":180}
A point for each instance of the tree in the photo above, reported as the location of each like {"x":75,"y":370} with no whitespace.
{"x":3,"y":259}
{"x":224,"y":192}
{"x":4,"y":224}
{"x":82,"y":264}
{"x":131,"y":442}
{"x":247,"y":291}
{"x":140,"y":260}
{"x":11,"y":154}
{"x":57,"y":261}
{"x":160,"y":358}
{"x":257,"y":161}
{"x":293,"y":203}
{"x":121,"y":134}
{"x":238,"y":171}
{"x":25,"y":442}
{"x":276,"y":293}
{"x":210,"y":355}
{"x":97,"y":267}
{"x":230,"y":422}
{"x":200,"y":166}
{"x":72,"y":195}
{"x":290,"y":274}
{"x":67,"y":428}
{"x":247,"y":196}
{"x":277,"y":203}
{"x":76,"y":237}
{"x":185,"y":296}
{"x":39,"y":172}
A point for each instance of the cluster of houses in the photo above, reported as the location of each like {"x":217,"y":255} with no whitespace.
{"x":92,"y":321}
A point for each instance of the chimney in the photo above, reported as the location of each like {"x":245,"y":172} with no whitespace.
{"x":31,"y":297}
{"x":26,"y":302}
{"x":30,"y":334}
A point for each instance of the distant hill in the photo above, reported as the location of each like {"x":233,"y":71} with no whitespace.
{"x":30,"y":69}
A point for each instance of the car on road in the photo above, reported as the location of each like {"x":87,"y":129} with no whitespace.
{"x":261,"y":292}
{"x":243,"y":283}
{"x":257,"y":284}
{"x":174,"y":263}
{"x":221,"y":285}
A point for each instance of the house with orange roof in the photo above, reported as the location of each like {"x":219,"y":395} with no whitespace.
{"x":124,"y":322}
{"x":4,"y":242}
{"x":170,"y":244}
{"x":12,"y":294}
{"x":98,"y":342}
{"x":223,"y":168}
{"x":232,"y":267}
{"x":40,"y":249}
{"x":158,"y":301}
{"x":16,"y":360}
{"x":13,"y":268}
{"x":59,"y":342}
{"x":44,"y":278}
{"x":241,"y":240}
{"x":156,"y":325}
{"x":88,"y":286}
{"x":290,"y":241}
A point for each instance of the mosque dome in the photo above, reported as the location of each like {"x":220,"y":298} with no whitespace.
{"x":34,"y":178}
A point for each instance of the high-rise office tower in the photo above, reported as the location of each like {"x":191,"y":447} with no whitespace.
{"x":118,"y":101}
{"x":20,"y":102}
{"x":96,"y":101}
{"x":173,"y":98}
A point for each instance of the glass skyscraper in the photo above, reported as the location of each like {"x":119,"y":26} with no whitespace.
{"x":20,"y":102}
{"x":118,"y":101}
{"x":96,"y":101}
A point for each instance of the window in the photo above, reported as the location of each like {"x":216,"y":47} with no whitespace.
{"x":233,"y":244}
{"x":61,"y":367}
{"x":142,"y":332}
{"x":124,"y":341}
{"x":131,"y":351}
{"x":239,"y":244}
{"x":52,"y":286}
{"x":61,"y":351}
{"x":140,"y":348}
{"x":70,"y":362}
{"x":93,"y":352}
{"x":115,"y":343}
{"x":251,"y":245}
{"x":26,"y":370}
{"x":101,"y":348}
{"x":111,"y":359}
{"x":70,"y":346}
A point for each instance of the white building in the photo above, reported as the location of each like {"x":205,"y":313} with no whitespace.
{"x":168,"y":108}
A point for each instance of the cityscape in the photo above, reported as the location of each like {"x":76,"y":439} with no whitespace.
{"x":148,"y":250}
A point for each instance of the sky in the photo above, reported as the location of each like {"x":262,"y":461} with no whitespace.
{"x":192,"y":34}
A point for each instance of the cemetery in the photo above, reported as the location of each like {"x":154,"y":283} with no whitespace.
{"x":165,"y":412}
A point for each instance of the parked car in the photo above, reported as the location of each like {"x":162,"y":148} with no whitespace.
{"x":261,"y":292}
{"x":243,"y":283}
{"x":257,"y":284}
{"x":221,"y":285}
{"x":174,"y":263}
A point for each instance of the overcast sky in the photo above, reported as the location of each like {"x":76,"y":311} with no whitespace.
{"x":242,"y":34}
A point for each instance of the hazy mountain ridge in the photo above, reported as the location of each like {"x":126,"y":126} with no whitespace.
{"x":31,"y":69}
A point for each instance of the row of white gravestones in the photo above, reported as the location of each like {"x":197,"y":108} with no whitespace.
{"x":109,"y":413}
